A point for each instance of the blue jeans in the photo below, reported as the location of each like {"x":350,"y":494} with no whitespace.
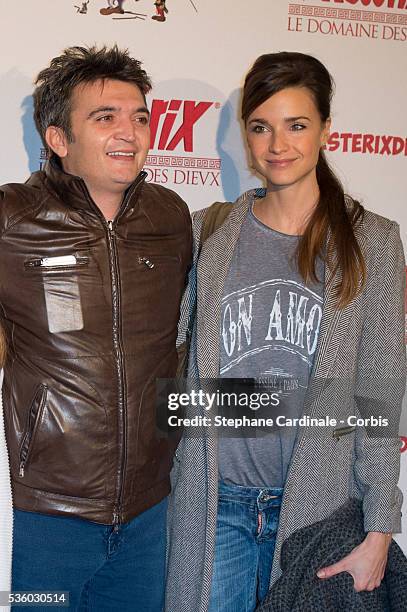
{"x":245,"y":539}
{"x":103,"y":570}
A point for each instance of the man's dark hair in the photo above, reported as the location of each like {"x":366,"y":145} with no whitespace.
{"x":79,"y":66}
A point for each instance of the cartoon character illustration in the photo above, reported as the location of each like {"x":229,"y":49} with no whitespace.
{"x":161,"y":10}
{"x":116,"y":7}
{"x":82,"y":9}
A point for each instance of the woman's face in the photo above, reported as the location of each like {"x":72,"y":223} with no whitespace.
{"x":284,"y":135}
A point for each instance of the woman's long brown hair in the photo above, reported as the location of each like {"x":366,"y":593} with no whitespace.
{"x":330,"y":232}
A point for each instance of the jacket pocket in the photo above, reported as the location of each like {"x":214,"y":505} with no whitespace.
{"x":58,"y":263}
{"x":343,"y":431}
{"x":34,"y":419}
{"x":151,"y":261}
{"x":60,"y":277}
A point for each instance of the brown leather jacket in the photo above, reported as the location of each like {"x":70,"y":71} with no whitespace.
{"x":90,"y":310}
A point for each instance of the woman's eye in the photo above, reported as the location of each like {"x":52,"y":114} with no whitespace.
{"x":297,"y":127}
{"x":258,"y":129}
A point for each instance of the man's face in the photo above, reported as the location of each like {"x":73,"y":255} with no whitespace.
{"x":111,"y":137}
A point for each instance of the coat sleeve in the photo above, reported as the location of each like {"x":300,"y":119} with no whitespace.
{"x":380,"y":386}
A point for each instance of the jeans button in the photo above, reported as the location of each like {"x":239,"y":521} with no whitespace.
{"x":265,"y":497}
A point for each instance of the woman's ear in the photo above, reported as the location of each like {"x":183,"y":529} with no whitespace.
{"x":326,"y":130}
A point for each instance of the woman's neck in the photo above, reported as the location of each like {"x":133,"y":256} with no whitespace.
{"x":287,"y":209}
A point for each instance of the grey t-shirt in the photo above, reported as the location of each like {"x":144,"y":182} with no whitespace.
{"x":269,"y":329}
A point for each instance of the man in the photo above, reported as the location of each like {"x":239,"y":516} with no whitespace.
{"x":92,"y":265}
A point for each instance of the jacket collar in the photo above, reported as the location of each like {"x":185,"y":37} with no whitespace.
{"x":72,"y":189}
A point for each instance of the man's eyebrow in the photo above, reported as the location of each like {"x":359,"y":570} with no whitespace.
{"x":102,"y":109}
{"x":112,"y":109}
{"x":143,"y":109}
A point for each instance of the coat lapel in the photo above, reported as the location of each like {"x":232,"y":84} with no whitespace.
{"x":333,"y":333}
{"x":332,"y":319}
{"x":213,"y":265}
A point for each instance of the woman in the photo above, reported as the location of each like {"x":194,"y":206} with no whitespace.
{"x":301,"y":285}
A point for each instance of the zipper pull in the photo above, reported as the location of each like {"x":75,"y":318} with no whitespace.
{"x":21,"y":471}
{"x":146,"y":262}
{"x":35,"y":263}
{"x":110,"y":225}
{"x":116,"y":521}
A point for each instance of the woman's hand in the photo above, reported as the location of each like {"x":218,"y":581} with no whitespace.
{"x":366,"y":563}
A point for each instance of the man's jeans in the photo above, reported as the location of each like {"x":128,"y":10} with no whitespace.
{"x":102,"y":569}
{"x":245,"y":539}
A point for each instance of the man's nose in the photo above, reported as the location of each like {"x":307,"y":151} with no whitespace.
{"x":126,"y":129}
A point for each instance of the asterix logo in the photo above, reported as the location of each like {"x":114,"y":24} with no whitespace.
{"x":191,"y":113}
{"x":175,"y":125}
{"x":371,"y":144}
{"x":389,"y":4}
{"x":373,"y":19}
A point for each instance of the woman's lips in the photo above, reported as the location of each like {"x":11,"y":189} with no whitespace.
{"x":280,"y":163}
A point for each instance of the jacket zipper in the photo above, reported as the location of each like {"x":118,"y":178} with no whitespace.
{"x":157,"y":259}
{"x":122,"y":425}
{"x":146,"y":262}
{"x":33,"y":420}
{"x":114,"y":275}
{"x":45,"y":263}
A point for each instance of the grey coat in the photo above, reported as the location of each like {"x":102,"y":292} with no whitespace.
{"x":359,"y":367}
